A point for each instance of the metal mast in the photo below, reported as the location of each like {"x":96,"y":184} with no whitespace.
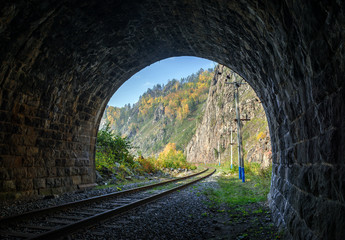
{"x":241,"y":171}
{"x":239,"y":136}
{"x":231,"y":143}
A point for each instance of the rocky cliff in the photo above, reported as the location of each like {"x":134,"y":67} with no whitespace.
{"x":212,"y":139}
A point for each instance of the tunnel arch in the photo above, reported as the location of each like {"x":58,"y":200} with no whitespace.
{"x":62,"y":60}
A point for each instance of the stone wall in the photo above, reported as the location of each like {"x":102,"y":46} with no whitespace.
{"x":62,"y":60}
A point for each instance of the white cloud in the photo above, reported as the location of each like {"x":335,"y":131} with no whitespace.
{"x":147,"y":84}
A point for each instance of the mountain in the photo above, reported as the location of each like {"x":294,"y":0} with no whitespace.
{"x":213,"y":135}
{"x":164,"y":114}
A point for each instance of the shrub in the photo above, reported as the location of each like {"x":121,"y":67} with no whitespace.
{"x":112,"y":149}
{"x":147,"y":164}
{"x":114,"y":145}
{"x":171,"y":158}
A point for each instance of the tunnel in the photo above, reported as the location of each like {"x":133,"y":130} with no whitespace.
{"x":61,"y":61}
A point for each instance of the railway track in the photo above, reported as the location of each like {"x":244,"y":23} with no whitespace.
{"x":56,"y":222}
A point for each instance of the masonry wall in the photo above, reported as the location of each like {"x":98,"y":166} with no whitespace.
{"x":62,"y":60}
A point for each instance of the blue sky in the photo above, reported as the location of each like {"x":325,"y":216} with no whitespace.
{"x":160,"y":72}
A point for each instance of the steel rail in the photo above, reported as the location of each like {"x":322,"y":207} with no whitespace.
{"x":68,"y":229}
{"x":30,"y":214}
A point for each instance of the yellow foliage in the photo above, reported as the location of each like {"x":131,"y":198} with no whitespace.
{"x":175,"y":102}
{"x":261,"y":136}
{"x":171,"y":158}
{"x":185,"y":110}
{"x":169,"y":147}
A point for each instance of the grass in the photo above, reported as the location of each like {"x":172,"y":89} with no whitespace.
{"x":235,"y":202}
{"x":234,"y":192}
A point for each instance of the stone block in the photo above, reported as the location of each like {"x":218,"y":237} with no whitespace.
{"x":57,"y":182}
{"x":75,"y":170}
{"x":70,"y":162}
{"x":24,"y":184}
{"x":76,"y":180}
{"x":325,"y":181}
{"x":20,"y":172}
{"x":60,"y":162}
{"x":28,"y":161}
{"x":8,"y":185}
{"x":45,"y":191}
{"x":5,"y":174}
{"x":60,"y":171}
{"x":65,"y":154}
{"x":50,"y":162}
{"x":29,"y":140}
{"x":50,"y":182}
{"x":39,"y":162}
{"x":31,"y":172}
{"x":327,"y":146}
{"x":302,"y":152}
{"x":16,"y":139}
{"x":68,"y":171}
{"x":39,"y":183}
{"x":41,"y":172}
{"x":86,"y":179}
{"x":32,"y":151}
{"x":12,"y":161}
{"x":58,"y":191}
{"x":51,"y":172}
{"x":84,"y":171}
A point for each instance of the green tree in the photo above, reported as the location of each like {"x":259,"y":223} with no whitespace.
{"x":113,"y":147}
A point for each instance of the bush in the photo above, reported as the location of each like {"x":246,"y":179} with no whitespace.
{"x":113,"y":156}
{"x":112,"y":149}
{"x":147,"y":165}
{"x":171,"y":158}
{"x":114,"y":145}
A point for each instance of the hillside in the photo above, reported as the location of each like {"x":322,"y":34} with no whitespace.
{"x":213,"y":134}
{"x":196,"y":113}
{"x":164,"y":114}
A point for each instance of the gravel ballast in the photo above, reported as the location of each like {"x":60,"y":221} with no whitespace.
{"x":18,"y":207}
{"x":186,"y":214}
{"x":181,"y":215}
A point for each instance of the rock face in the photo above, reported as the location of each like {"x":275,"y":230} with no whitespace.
{"x":61,"y":61}
{"x":159,"y":113}
{"x":213,"y":134}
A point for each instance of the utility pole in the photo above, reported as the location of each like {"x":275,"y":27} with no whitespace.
{"x":231,"y":146}
{"x":218,"y":153}
{"x":239,"y":136}
{"x":241,"y":172}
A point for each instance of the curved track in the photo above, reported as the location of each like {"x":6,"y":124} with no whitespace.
{"x":58,"y":221}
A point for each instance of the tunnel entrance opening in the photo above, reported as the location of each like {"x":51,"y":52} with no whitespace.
{"x":179,"y":112}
